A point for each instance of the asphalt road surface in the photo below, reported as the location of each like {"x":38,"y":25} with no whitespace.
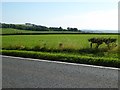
{"x":27,"y":73}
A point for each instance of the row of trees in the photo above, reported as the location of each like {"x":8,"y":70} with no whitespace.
{"x":34,"y":27}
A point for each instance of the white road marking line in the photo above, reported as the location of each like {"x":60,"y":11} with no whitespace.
{"x":41,"y":60}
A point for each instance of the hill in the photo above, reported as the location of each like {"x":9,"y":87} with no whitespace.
{"x":5,"y":31}
{"x":33,"y":27}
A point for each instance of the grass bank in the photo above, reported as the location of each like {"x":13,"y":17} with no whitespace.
{"x":65,"y":57}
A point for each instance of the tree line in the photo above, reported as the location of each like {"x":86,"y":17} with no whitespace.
{"x":33,"y":27}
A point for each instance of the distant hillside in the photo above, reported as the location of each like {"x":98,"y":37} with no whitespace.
{"x":17,"y":31}
{"x":14,"y":31}
{"x":33,"y":27}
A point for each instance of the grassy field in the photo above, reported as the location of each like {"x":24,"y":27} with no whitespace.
{"x":78,"y":41}
{"x":62,"y":47}
{"x":52,"y":42}
{"x":16,"y":31}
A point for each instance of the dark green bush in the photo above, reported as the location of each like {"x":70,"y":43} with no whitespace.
{"x":99,"y":41}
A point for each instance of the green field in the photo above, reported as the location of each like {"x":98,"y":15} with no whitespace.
{"x":16,"y":31}
{"x":62,"y":47}
{"x":78,"y":41}
{"x":51,"y":42}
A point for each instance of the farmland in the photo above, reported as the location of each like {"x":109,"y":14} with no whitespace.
{"x":8,"y":31}
{"x":52,"y":42}
{"x":16,"y":31}
{"x":72,"y":41}
{"x":63,"y":47}
{"x":13,"y":31}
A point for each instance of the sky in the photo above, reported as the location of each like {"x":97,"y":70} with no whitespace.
{"x":94,"y":15}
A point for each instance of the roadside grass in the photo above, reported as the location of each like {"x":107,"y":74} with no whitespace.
{"x":65,"y":57}
{"x":101,"y":52}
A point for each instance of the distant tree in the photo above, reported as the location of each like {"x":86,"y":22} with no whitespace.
{"x":68,"y":28}
{"x":72,"y":29}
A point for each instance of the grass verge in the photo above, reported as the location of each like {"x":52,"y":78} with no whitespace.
{"x":65,"y":57}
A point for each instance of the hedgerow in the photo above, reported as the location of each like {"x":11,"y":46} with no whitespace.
{"x":65,"y":57}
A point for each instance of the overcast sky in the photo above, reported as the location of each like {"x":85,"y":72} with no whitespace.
{"x":100,"y":15}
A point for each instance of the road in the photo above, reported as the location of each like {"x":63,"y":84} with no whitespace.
{"x":28,"y":73}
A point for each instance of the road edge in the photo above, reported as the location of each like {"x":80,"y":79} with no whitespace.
{"x":50,"y":61}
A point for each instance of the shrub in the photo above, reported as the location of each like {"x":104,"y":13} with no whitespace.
{"x":99,"y":41}
{"x":61,"y":45}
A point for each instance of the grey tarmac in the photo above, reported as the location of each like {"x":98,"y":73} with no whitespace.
{"x":30,"y":73}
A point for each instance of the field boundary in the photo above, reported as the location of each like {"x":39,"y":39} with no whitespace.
{"x":77,"y":33}
{"x":108,"y":62}
{"x":75,"y":64}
